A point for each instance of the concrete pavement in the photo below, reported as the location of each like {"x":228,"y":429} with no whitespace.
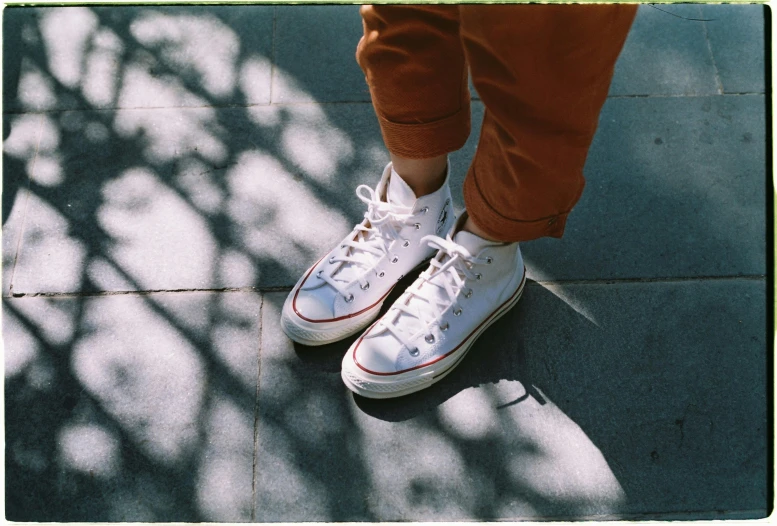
{"x":160,"y":164}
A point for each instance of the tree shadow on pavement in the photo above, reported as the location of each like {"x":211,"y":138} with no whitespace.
{"x":151,"y":202}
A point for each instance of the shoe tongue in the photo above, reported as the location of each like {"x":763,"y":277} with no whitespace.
{"x":472,"y":242}
{"x":399,"y":192}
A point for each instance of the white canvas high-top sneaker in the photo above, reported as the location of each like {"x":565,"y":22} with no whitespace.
{"x":344,"y":291}
{"x":470,"y":284}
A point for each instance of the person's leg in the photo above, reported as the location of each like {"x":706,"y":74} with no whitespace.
{"x":414,"y":65}
{"x":424,"y":176}
{"x":542,"y":72}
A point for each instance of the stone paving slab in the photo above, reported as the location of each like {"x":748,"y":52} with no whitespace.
{"x":330,"y":74}
{"x":222,"y":55}
{"x":21,"y":134}
{"x":187,"y":198}
{"x":585,"y":400}
{"x":139,"y":57}
{"x":676,"y":187}
{"x":665,"y":55}
{"x":130,"y":408}
{"x":205,"y":198}
{"x":736,"y":39}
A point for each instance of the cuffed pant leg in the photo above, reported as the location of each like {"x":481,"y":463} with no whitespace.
{"x":414,"y":64}
{"x":542,"y":72}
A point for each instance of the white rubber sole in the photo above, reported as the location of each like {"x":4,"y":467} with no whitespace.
{"x":382,"y":386}
{"x":315,"y":334}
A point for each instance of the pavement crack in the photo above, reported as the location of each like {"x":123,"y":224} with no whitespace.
{"x":718,"y":81}
{"x":97,"y":294}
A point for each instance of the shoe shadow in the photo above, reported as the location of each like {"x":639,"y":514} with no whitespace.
{"x":497,"y":355}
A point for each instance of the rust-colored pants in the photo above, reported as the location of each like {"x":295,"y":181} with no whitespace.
{"x":542,"y":72}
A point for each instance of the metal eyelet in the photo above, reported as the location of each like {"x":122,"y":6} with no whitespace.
{"x":395,"y":259}
{"x":468,"y":294}
{"x":478,"y":276}
{"x":417,"y":226}
{"x":349,"y":299}
{"x":366,"y":286}
{"x":444,"y":327}
{"x":381,"y":274}
{"x":342,"y":246}
{"x":406,"y":243}
{"x":414,"y":352}
{"x":424,"y":210}
{"x":489,"y":260}
{"x":457,"y":312}
{"x":318,"y":274}
{"x":429,"y":338}
{"x":332,"y":259}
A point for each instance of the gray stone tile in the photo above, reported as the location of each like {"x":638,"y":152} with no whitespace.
{"x":314,"y":54}
{"x":130,"y":408}
{"x":665,"y":55}
{"x":21,"y":134}
{"x":194,"y":198}
{"x":736,"y":36}
{"x":11,"y":231}
{"x":132,"y":57}
{"x":15,"y":20}
{"x":584,"y":401}
{"x":675,"y":187}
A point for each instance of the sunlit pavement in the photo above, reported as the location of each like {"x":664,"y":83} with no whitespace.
{"x":169,"y":172}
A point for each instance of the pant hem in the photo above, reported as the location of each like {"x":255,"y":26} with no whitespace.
{"x":426,"y":140}
{"x":504,"y":229}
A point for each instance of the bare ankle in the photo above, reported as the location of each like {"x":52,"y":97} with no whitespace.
{"x":470,"y":226}
{"x":423,"y":176}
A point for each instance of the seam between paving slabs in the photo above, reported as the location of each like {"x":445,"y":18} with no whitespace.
{"x":346,"y":102}
{"x":20,"y":234}
{"x":267,"y":290}
{"x":654,"y":516}
{"x":256,"y":413}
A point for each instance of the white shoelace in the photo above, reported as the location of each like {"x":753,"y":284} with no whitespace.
{"x":367,"y":244}
{"x":434,"y":292}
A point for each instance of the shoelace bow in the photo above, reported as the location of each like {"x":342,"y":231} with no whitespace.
{"x":367,"y":244}
{"x":449,"y":271}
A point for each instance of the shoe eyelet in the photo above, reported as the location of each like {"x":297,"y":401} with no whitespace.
{"x":394,"y":259}
{"x":489,"y":260}
{"x":429,"y":338}
{"x":457,"y":312}
{"x":444,"y":327}
{"x":381,"y":274}
{"x":468,"y":294}
{"x":332,"y":259}
{"x":349,"y":299}
{"x":318,"y":274}
{"x":417,"y":226}
{"x":414,"y":352}
{"x":406,"y":243}
{"x":366,"y":286}
{"x":478,"y":276}
{"x":342,"y":246}
{"x":424,"y":210}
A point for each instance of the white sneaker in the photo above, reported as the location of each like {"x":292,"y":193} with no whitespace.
{"x":344,"y":291}
{"x":430,"y":328}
